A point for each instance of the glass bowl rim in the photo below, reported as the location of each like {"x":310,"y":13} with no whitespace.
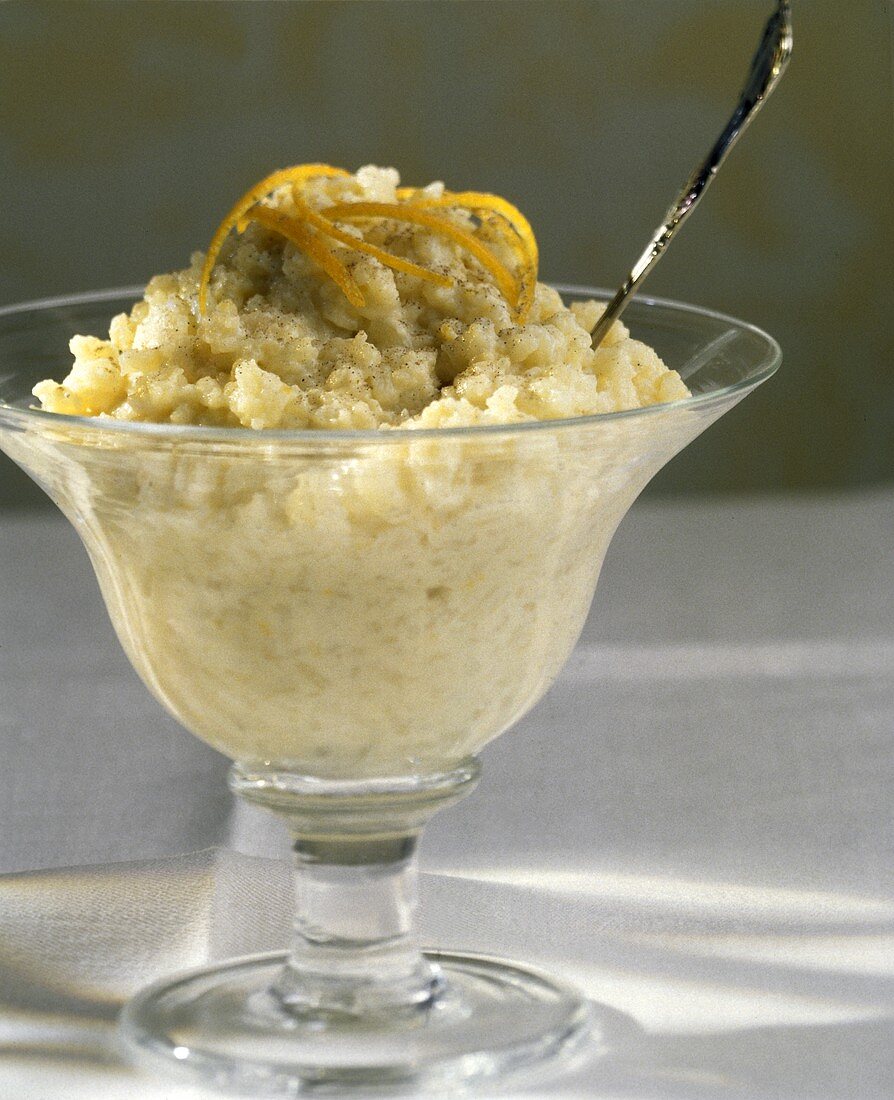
{"x":18,"y":417}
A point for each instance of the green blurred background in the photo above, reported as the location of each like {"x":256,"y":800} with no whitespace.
{"x":126,"y":131}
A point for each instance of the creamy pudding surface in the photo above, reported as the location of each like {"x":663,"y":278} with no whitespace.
{"x":371,"y":605}
{"x":280,"y":346}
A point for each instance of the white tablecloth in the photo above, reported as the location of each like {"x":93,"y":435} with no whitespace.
{"x":695,"y":825}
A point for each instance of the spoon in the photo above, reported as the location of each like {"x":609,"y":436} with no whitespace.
{"x":767,"y":67}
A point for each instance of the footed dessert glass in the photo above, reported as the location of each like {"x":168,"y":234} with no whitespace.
{"x":351,"y":617}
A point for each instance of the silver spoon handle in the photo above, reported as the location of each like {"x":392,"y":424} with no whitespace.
{"x":767,"y":67}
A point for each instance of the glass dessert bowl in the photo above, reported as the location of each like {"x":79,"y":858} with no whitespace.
{"x":351,"y":616}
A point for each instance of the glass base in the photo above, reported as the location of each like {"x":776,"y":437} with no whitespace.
{"x":223,"y":1026}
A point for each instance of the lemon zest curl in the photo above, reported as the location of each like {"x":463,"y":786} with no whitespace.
{"x":306,"y":228}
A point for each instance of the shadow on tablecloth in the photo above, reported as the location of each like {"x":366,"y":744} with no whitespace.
{"x":701,"y":1003}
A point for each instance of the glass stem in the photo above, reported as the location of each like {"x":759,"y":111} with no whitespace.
{"x":354,"y":949}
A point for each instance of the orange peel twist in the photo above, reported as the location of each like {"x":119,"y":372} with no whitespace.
{"x":413,"y":206}
{"x":294,"y":231}
{"x":521,"y":239}
{"x":298,"y":173}
{"x":406,"y":212}
{"x":321,"y":222}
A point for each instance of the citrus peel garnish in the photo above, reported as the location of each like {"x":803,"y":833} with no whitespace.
{"x":298,"y":173}
{"x":521,"y":239}
{"x":305,"y":227}
{"x":397,"y":262}
{"x":309,"y":243}
{"x":406,"y":212}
